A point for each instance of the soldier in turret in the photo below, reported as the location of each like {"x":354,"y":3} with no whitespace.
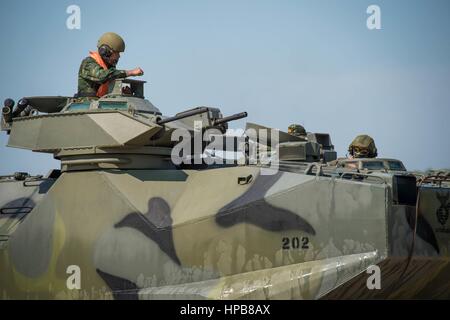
{"x":297,"y":130}
{"x":363,"y":146}
{"x":97,"y":70}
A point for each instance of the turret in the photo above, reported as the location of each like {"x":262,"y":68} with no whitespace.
{"x":120,"y":130}
{"x":315,"y":147}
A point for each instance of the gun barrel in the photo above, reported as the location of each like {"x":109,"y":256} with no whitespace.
{"x":7,"y":110}
{"x":7,"y":114}
{"x":21,"y":105}
{"x":27,"y":111}
{"x":182,"y":115}
{"x":9,"y":103}
{"x":236,"y":116}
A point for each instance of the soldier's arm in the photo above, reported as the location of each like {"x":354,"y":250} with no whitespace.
{"x":93,"y":72}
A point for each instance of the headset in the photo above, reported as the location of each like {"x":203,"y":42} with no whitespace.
{"x":105,"y":51}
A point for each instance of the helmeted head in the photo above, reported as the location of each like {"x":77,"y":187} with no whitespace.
{"x":296,"y":130}
{"x":109,"y":46}
{"x":363,"y":146}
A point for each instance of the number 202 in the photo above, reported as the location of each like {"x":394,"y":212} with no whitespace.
{"x":294,"y":243}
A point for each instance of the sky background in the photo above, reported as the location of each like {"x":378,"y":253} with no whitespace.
{"x":310,"y":62}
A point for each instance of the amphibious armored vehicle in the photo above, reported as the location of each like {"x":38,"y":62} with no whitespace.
{"x":124,"y":218}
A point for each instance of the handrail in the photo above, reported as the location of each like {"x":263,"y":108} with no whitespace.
{"x":356,"y":174}
{"x":319,"y":170}
{"x":95,"y":161}
{"x":434,"y":179}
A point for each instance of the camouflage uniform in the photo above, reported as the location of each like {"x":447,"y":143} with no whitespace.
{"x":91,"y":75}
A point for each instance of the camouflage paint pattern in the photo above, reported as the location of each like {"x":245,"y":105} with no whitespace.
{"x":147,"y":232}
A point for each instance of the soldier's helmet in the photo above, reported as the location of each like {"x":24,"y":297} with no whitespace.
{"x":113,"y":41}
{"x":363,"y":146}
{"x":296,"y":130}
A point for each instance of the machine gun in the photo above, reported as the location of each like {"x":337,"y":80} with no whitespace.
{"x":209,"y":118}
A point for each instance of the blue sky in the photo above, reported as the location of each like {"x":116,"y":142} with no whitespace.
{"x":312,"y":62}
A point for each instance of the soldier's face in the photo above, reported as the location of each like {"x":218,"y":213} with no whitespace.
{"x":114,"y":58}
{"x":360,"y":152}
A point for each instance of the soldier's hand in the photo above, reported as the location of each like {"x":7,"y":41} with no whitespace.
{"x":135,"y":72}
{"x":139,"y":72}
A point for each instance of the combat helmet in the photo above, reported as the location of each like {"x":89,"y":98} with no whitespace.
{"x":296,"y":130}
{"x":113,"y":41}
{"x":363,"y":146}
